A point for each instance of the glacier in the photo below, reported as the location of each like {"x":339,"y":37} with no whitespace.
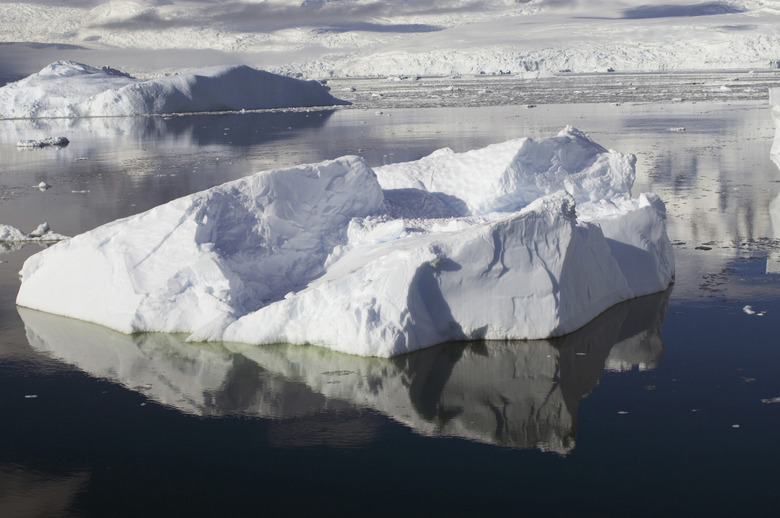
{"x":70,"y":89}
{"x":527,"y":239}
{"x":358,"y":38}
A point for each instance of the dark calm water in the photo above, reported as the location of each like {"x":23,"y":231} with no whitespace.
{"x":664,"y":406}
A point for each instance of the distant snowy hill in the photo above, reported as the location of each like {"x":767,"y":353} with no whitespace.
{"x":319,"y":38}
{"x":68,"y":89}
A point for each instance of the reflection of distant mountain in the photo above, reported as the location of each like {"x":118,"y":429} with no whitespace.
{"x":520,"y":394}
{"x":238,"y":129}
{"x":218,"y":129}
{"x":698,"y":167}
{"x":710,"y":166}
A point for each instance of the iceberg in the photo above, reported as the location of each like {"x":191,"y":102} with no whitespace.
{"x":70,"y":89}
{"x":528,"y":239}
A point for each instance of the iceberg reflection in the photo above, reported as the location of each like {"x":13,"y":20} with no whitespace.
{"x":518,"y":394}
{"x":25,"y":492}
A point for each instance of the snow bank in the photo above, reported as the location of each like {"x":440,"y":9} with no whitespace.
{"x":317,"y":254}
{"x":68,"y":89}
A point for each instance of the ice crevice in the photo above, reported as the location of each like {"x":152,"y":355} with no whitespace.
{"x":542,"y":237}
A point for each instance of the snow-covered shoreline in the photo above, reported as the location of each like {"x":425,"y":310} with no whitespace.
{"x":355,"y":38}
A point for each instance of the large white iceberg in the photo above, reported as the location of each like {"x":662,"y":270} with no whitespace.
{"x":532,"y":238}
{"x":69,"y":89}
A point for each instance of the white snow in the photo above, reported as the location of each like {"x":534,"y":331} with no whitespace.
{"x":69,"y":89}
{"x":486,"y":244}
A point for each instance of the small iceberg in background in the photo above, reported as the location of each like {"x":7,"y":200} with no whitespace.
{"x":526,"y":239}
{"x":69,"y":89}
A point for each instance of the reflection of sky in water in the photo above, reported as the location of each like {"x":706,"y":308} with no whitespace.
{"x":518,"y":394}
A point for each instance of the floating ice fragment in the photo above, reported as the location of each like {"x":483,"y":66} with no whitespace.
{"x":40,"y":230}
{"x":11,"y":234}
{"x":750,"y":311}
{"x":47,"y":142}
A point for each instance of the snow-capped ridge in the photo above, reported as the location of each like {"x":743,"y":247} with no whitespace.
{"x":516,"y":172}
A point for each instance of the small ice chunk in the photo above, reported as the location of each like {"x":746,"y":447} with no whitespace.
{"x":46,"y":142}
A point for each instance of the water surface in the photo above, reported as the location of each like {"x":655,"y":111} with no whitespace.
{"x":664,"y":405}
